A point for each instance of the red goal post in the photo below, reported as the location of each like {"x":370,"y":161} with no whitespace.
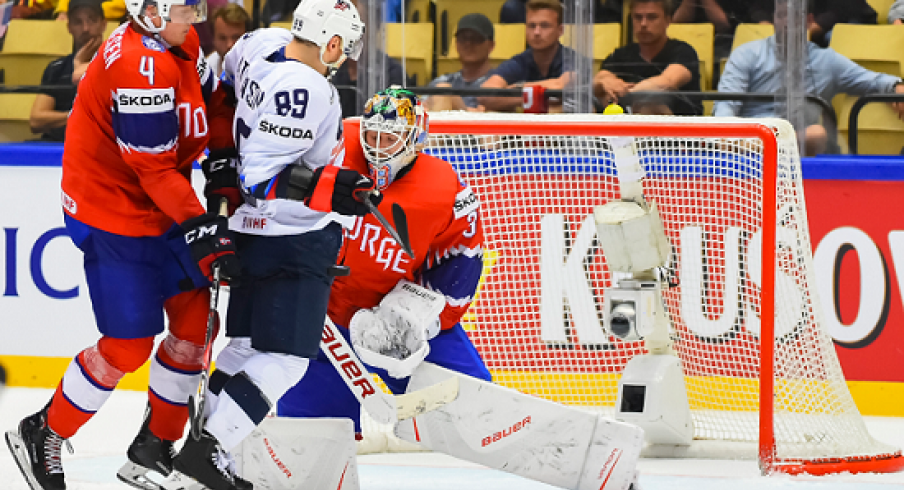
{"x":730,"y":195}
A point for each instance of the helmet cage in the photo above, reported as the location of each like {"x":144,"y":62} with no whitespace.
{"x":398,"y":113}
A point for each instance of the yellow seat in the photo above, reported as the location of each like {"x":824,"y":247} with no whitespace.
{"x":418,"y":11}
{"x":874,"y":47}
{"x":879,"y":131}
{"x":510,"y":40}
{"x":31,"y":45}
{"x":417,"y":51}
{"x":284,"y":25}
{"x":14,"y":112}
{"x":881,"y":7}
{"x":746,"y":33}
{"x":701,"y":38}
{"x":606,"y":38}
{"x":448,"y":12}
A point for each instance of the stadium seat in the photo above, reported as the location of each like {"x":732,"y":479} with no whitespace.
{"x":744,"y":34}
{"x":417,"y":51}
{"x":29,"y":47}
{"x":881,"y":7}
{"x":879,"y":131}
{"x":606,"y":38}
{"x":510,"y":40}
{"x":14,"y":112}
{"x":874,"y":47}
{"x":701,"y":38}
{"x":419,"y":11}
{"x":284,"y":25}
{"x":448,"y":12}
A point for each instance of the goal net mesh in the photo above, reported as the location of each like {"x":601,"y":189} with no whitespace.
{"x":537,"y":316}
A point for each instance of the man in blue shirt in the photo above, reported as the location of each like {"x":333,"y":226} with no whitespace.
{"x":755,"y":67}
{"x":545,"y":62}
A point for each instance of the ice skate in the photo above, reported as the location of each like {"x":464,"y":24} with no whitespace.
{"x":36,"y":449}
{"x":148,"y":453}
{"x":204,"y":462}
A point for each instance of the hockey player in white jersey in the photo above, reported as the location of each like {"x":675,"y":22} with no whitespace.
{"x":288,"y":136}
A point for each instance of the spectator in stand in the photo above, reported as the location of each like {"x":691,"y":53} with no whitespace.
{"x":114,"y":10}
{"x":755,"y":67}
{"x":827,"y":13}
{"x":545,"y":62}
{"x":654,"y":63}
{"x":724,"y":15}
{"x":896,"y":13}
{"x":474,"y":43}
{"x":32,"y":9}
{"x":50,"y":110}
{"x":605,"y":11}
{"x":229,"y":24}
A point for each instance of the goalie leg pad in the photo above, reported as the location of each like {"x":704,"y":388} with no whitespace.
{"x":531,"y":437}
{"x":294,"y":454}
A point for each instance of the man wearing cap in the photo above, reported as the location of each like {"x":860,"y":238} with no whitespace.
{"x":544,"y":63}
{"x":474,"y":42}
{"x":50,"y":110}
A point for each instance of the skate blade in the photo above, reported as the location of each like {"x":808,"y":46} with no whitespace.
{"x":139,"y":477}
{"x":20,"y":454}
{"x":181,"y":481}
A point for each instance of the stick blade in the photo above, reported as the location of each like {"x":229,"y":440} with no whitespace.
{"x":427,"y":399}
{"x":401,"y":225}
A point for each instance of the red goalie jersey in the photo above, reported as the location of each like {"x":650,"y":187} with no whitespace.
{"x":137,"y":125}
{"x":446,"y":235}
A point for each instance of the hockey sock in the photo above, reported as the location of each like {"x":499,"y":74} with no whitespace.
{"x":248,"y":396}
{"x":229,"y":362}
{"x":91,"y":378}
{"x":175,"y":373}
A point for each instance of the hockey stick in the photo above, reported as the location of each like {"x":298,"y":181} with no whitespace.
{"x":197,"y":401}
{"x":384,"y":408}
{"x":398,"y":214}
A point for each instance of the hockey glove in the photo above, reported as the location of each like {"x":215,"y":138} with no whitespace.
{"x":338,"y":190}
{"x":222,"y":175}
{"x":211,"y":243}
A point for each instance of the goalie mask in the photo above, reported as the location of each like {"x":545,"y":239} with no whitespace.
{"x":317,"y":21}
{"x":393,"y":130}
{"x":175,"y":11}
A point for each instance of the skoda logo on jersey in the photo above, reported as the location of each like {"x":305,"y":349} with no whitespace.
{"x":285,"y":131}
{"x":152,"y":44}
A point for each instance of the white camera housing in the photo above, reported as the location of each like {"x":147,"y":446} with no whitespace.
{"x":631,"y":310}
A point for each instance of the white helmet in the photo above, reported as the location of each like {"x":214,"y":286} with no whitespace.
{"x":198,"y":12}
{"x":318,"y":21}
{"x":396,"y":114}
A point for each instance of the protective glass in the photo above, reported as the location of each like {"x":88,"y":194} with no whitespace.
{"x":192,"y":12}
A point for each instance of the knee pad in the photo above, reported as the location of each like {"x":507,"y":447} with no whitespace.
{"x":235,"y":354}
{"x":274,"y":373}
{"x":125,"y":355}
{"x":182,"y":353}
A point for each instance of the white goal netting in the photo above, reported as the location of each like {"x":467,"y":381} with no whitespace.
{"x":537,"y":317}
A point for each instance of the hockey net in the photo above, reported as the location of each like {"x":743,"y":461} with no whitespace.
{"x":726,"y":190}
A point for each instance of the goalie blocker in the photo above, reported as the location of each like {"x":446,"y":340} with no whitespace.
{"x":531,"y":437}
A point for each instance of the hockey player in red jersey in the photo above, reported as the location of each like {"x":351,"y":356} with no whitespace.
{"x":446,"y":236}
{"x":137,"y":125}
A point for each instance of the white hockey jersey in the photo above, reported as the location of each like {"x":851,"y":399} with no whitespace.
{"x":285,"y":111}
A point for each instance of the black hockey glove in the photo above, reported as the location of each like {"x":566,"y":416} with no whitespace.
{"x":341,"y":190}
{"x":222,"y":175}
{"x":211,"y":243}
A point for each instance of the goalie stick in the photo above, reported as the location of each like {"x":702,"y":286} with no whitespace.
{"x":384,"y":408}
{"x":197,"y":401}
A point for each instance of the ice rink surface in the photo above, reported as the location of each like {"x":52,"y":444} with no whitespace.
{"x":101,"y":444}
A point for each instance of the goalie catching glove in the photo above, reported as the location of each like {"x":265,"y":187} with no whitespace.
{"x":393,"y":336}
{"x":211,"y":243}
